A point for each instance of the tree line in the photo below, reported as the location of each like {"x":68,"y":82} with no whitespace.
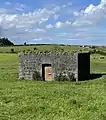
{"x":5,"y":42}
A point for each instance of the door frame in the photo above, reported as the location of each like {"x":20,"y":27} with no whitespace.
{"x":43,"y":69}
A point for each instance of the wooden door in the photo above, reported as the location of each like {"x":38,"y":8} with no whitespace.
{"x":48,"y":74}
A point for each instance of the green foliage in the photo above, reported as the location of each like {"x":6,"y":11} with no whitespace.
{"x":93,"y":47}
{"x":37,"y":76}
{"x":102,"y":57}
{"x":101,"y":52}
{"x":46,"y":51}
{"x":28,"y":50}
{"x":96,"y":51}
{"x":23,"y":51}
{"x":71,"y":77}
{"x":5,"y":42}
{"x":65,"y":77}
{"x":12,"y":50}
{"x":57,"y":49}
{"x":35,"y":48}
{"x":61,"y":77}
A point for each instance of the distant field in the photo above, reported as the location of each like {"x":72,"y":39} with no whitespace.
{"x":35,"y":100}
{"x":42,"y":48}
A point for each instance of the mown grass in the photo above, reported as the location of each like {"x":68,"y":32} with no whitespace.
{"x":35,"y":100}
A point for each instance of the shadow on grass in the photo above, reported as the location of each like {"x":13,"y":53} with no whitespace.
{"x":96,"y":75}
{"x":93,"y":76}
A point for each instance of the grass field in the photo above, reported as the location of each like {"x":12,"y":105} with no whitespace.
{"x":67,"y":48}
{"x":35,"y":100}
{"x":42,"y":48}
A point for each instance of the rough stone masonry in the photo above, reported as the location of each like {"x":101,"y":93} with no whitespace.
{"x":31,"y":65}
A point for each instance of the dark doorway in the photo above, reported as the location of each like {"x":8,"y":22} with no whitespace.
{"x":43,"y":70}
{"x":83,"y":66}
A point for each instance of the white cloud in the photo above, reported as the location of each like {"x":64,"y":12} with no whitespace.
{"x":92,"y":14}
{"x":89,"y":9}
{"x":49,"y":26}
{"x":40,"y":30}
{"x":59,"y":24}
{"x":103,"y":2}
{"x":43,"y":20}
{"x":63,"y":24}
{"x":26,"y":20}
{"x":34,"y":26}
{"x":19,"y":6}
{"x":41,"y":39}
{"x":26,"y":25}
{"x":75,"y":13}
{"x":81,"y":22}
{"x":37,"y":39}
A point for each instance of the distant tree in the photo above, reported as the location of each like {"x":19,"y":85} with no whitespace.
{"x":5,"y":42}
{"x":25,"y":43}
{"x":93,"y":47}
{"x":35,"y":48}
{"x":12,"y":50}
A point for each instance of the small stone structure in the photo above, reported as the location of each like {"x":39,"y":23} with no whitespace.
{"x":48,"y":65}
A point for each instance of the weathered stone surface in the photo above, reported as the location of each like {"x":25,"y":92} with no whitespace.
{"x":31,"y":63}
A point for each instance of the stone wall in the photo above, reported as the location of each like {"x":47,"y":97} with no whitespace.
{"x":30,"y":64}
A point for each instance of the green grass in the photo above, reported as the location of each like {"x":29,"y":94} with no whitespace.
{"x":41,"y":48}
{"x":35,"y":100}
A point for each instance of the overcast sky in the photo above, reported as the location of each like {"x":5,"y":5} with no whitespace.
{"x":54,"y":21}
